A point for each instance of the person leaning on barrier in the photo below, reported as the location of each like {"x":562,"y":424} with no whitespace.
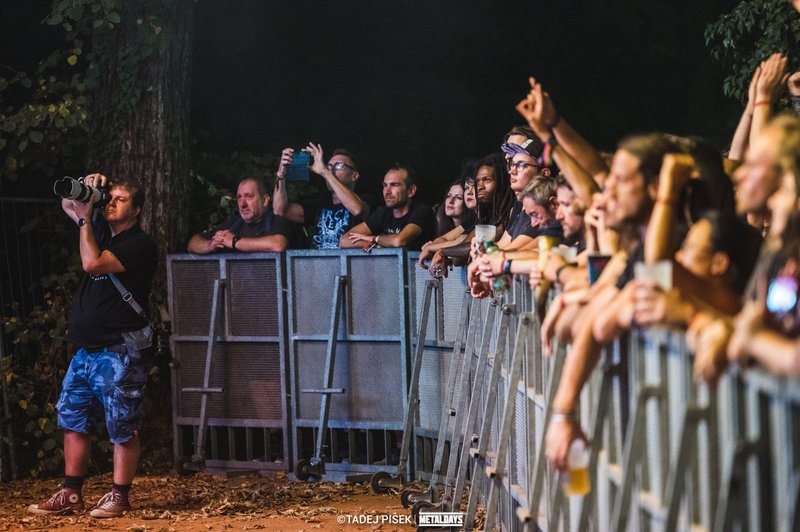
{"x":109,"y":370}
{"x":326,"y":217}
{"x":630,"y":193}
{"x":254,"y":228}
{"x":540,"y":203}
{"x":764,"y":330}
{"x":458,"y":234}
{"x":495,"y":200}
{"x":402,"y":223}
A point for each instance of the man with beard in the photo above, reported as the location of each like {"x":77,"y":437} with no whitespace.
{"x":401,"y":223}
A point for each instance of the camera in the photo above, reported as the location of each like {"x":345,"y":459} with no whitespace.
{"x":69,"y":188}
{"x":162,"y":353}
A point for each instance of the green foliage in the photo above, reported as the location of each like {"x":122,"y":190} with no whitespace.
{"x":49,"y":129}
{"x":753,"y":31}
{"x":45,"y":118}
{"x":39,"y":347}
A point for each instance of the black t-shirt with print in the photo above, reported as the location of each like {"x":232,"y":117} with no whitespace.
{"x":99,"y":314}
{"x":383,"y":222}
{"x":326,"y":222}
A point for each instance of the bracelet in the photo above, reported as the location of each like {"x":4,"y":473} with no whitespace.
{"x":559,"y":270}
{"x":664,"y":201}
{"x":234,"y":241}
{"x":560,"y":417}
{"x":762,"y":102}
{"x":507,"y":266}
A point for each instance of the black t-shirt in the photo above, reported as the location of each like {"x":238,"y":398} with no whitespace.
{"x":519,"y":222}
{"x":99,"y":314}
{"x":327,"y":222}
{"x":270,"y":224}
{"x":637,"y":255}
{"x":383,"y":222}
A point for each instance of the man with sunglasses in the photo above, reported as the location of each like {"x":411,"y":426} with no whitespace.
{"x":325,"y":217}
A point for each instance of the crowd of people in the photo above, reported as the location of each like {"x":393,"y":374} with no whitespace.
{"x":667,"y":231}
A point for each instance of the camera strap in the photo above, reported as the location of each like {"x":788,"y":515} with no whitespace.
{"x":128,"y":297}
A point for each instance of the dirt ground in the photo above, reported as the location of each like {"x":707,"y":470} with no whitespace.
{"x":205,"y":503}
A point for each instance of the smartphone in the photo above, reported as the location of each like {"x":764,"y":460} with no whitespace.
{"x":597,"y":264}
{"x":782,"y":305}
{"x":298,"y":168}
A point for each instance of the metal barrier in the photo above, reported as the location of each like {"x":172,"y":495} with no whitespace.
{"x":687,"y":458}
{"x":372,"y":361}
{"x":666,"y":452}
{"x":234,"y":342}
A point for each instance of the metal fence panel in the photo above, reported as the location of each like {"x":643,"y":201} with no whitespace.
{"x":248,"y":361}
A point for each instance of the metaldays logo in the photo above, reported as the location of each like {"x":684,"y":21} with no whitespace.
{"x":440,"y":519}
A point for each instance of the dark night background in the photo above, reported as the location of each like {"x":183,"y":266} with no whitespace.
{"x":427,"y":83}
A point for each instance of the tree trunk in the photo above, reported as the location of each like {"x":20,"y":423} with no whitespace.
{"x":141,"y":114}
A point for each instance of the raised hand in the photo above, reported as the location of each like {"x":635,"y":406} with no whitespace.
{"x":676,"y":170}
{"x":286,"y":160}
{"x":751,"y":90}
{"x":772,"y":80}
{"x":318,"y":167}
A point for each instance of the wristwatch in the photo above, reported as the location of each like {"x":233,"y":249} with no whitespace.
{"x":81,"y":222}
{"x":234,"y":241}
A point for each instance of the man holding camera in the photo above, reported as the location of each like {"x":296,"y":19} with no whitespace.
{"x":253,"y":228}
{"x":109,"y":370}
{"x":325,"y":217}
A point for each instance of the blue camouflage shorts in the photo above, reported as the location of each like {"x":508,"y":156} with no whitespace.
{"x":103,"y":381}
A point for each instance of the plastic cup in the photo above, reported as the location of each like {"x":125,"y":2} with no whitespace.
{"x":660,"y":273}
{"x":484,"y":233}
{"x":575,"y":481}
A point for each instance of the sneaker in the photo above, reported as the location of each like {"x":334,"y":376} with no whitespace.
{"x":113,"y":504}
{"x":64,"y":501}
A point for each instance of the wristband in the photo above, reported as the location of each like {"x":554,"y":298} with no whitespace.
{"x":560,"y":417}
{"x":507,"y":266}
{"x":664,"y":201}
{"x":234,"y":241}
{"x":559,"y":270}
{"x":762,"y":102}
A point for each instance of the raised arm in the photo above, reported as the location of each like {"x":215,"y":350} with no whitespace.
{"x":349,"y":199}
{"x":572,"y":141}
{"x":538,"y":110}
{"x":280,"y":199}
{"x":742,"y":134}
{"x":770,"y":84}
{"x":676,"y":169}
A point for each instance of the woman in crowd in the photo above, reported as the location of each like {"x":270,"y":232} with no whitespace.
{"x":460,"y":226}
{"x":453,"y":212}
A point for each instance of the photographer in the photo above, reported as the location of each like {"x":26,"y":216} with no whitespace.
{"x":109,"y":370}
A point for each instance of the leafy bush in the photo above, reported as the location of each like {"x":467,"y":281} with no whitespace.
{"x":753,"y":31}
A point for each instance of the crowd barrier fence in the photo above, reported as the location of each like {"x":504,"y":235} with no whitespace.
{"x":666,"y":453}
